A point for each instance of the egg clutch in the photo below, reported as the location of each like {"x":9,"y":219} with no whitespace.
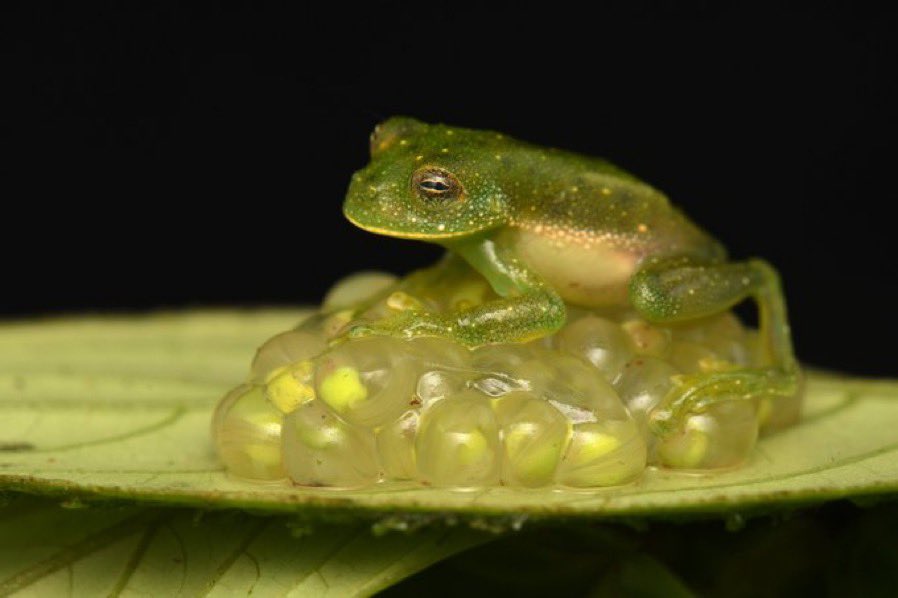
{"x":571,"y":409}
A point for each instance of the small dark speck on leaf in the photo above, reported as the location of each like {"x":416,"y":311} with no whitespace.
{"x":734,"y":522}
{"x":15,"y":447}
{"x":310,"y":484}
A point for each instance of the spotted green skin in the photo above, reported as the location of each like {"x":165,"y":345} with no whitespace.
{"x":547,"y":227}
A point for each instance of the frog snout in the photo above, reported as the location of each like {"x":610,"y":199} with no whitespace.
{"x":362,"y":187}
{"x":356,"y":182}
{"x":361,"y":197}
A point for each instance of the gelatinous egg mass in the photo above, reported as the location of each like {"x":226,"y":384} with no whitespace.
{"x":572,"y":410}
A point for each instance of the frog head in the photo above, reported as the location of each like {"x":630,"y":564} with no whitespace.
{"x":428,"y":182}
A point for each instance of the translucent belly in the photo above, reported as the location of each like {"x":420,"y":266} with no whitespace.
{"x":592,"y":275}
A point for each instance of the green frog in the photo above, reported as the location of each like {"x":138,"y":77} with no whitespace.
{"x":548,"y":228}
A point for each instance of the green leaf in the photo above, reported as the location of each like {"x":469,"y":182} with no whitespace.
{"x":46,"y":550}
{"x":120,"y":408}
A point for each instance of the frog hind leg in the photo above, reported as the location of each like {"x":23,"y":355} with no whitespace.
{"x":680,"y":289}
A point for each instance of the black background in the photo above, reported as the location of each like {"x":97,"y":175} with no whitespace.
{"x":198,"y":156}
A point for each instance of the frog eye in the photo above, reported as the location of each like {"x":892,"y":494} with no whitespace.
{"x":435,"y":185}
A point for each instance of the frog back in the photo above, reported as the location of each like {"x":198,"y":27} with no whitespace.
{"x":585,"y":226}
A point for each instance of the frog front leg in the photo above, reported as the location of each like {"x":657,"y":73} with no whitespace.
{"x":679,"y":289}
{"x":527,"y":307}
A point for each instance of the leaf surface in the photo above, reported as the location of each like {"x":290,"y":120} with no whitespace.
{"x":120,"y":408}
{"x":46,"y":550}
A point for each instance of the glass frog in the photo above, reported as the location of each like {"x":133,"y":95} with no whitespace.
{"x":548,"y":229}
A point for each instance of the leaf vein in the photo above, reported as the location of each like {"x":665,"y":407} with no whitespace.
{"x":134,"y":560}
{"x":241,"y":549}
{"x":73,"y":553}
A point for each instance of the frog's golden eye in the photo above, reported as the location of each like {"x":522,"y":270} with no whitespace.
{"x":436,"y":185}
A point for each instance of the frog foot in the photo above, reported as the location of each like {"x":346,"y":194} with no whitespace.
{"x":695,"y":393}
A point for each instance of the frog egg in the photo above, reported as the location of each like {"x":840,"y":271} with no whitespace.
{"x":754,"y":348}
{"x":603,"y":453}
{"x":356,"y":288}
{"x":723,"y":334}
{"x":502,"y":359}
{"x":321,"y":450}
{"x":692,"y":358}
{"x":742,"y":352}
{"x":284,"y":349}
{"x":367,"y":381}
{"x":775,"y":413}
{"x":495,"y":368}
{"x":722,"y":436}
{"x":534,"y":434}
{"x":246,"y":429}
{"x":467,"y":294}
{"x":458,"y":442}
{"x":396,"y":447}
{"x":644,"y":383}
{"x":336,"y":322}
{"x":440,"y":352}
{"x":289,"y":386}
{"x":435,"y":385}
{"x":497,"y":385}
{"x":702,"y":330}
{"x":600,"y":342}
{"x":647,"y":339}
{"x":575,"y":313}
{"x":572,"y":386}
